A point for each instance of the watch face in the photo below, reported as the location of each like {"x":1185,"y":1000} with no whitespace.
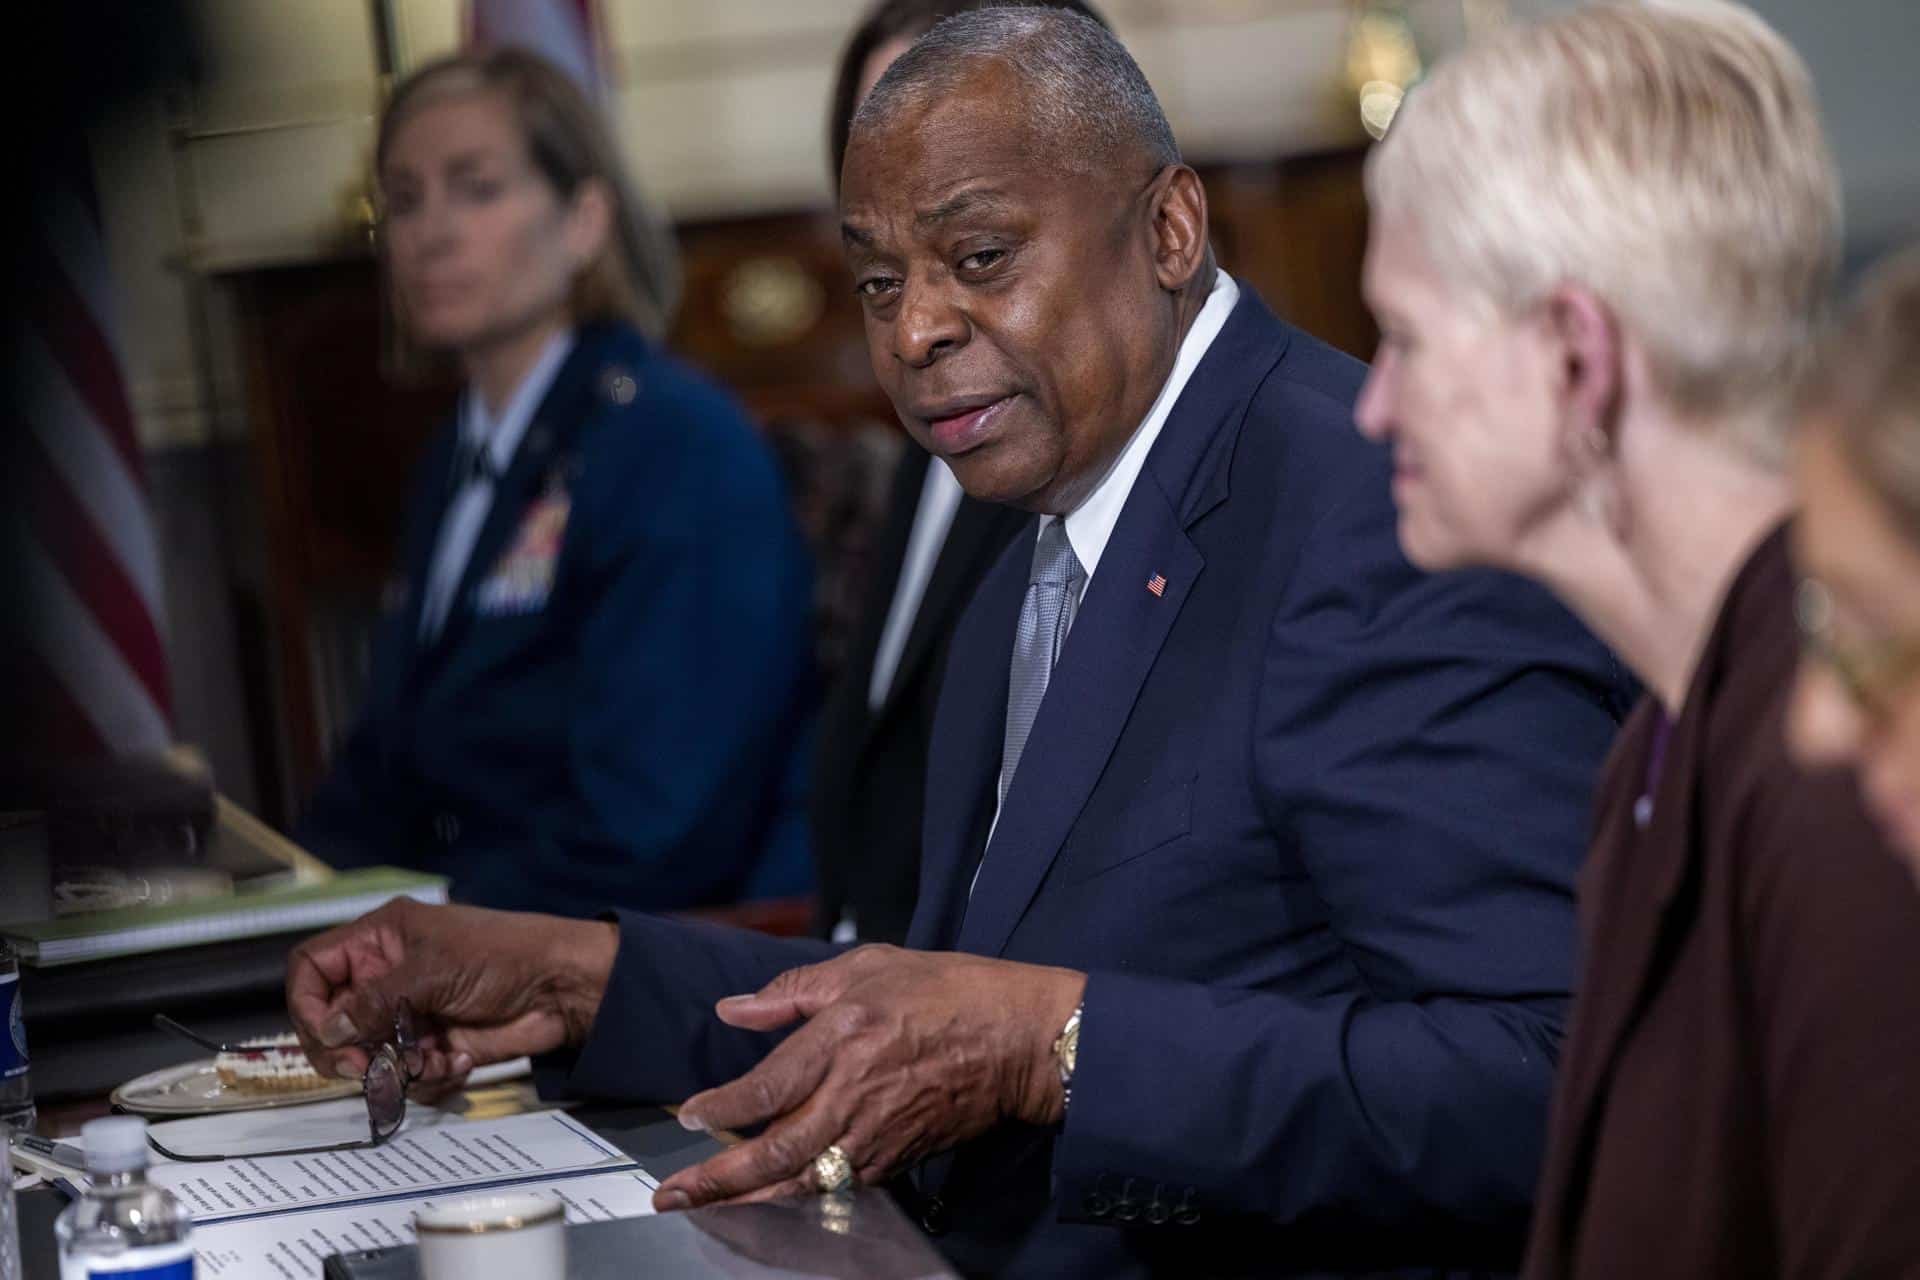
{"x":1067,"y":1047}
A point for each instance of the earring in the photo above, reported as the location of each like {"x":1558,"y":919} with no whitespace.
{"x":1593,"y":503}
{"x":1592,"y":491}
{"x":1594,"y":445}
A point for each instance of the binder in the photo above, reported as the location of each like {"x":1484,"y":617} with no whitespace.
{"x":245,"y":914}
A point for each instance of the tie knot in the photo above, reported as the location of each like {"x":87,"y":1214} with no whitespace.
{"x":475,"y":462}
{"x":1053,"y":560}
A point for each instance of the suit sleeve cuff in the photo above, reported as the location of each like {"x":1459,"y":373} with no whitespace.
{"x":656,"y":1038}
{"x":559,"y":1074}
{"x":1099,"y":1173}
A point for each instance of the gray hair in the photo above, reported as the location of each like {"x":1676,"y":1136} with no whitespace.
{"x":1084,"y":92}
{"x":1666,"y":154}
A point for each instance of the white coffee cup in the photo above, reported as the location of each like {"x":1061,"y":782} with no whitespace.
{"x":493,"y":1235}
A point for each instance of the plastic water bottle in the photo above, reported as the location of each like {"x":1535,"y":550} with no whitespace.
{"x":16,"y":1085}
{"x":125,"y":1227}
{"x":10,"y":1268}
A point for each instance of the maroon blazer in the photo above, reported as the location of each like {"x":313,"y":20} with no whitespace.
{"x":1740,"y":1090}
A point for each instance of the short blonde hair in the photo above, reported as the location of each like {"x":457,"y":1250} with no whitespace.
{"x":1866,"y":385}
{"x":1668,"y":156}
{"x":636,"y":277}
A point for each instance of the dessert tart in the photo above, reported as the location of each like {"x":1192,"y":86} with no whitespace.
{"x":268,"y":1064}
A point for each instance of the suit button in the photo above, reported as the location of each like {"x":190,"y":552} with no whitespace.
{"x":446,"y":828}
{"x":1126,"y":1208}
{"x":934,"y":1219}
{"x":1098,"y":1204}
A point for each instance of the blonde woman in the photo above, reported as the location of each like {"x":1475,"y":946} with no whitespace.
{"x":1599,"y":244}
{"x":590,"y":685}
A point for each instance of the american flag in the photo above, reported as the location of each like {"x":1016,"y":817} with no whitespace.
{"x":564,"y":32}
{"x":91,"y":556}
{"x":1157,"y":584}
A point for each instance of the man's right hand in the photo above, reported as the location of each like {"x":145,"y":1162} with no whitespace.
{"x":483,"y":986}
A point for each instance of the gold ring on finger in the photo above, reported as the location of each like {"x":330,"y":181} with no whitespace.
{"x":832,"y":1171}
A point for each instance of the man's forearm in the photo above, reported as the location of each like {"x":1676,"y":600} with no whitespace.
{"x":640,"y":1007}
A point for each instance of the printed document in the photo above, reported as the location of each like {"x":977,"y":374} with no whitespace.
{"x":296,"y":1245}
{"x":452,"y":1155}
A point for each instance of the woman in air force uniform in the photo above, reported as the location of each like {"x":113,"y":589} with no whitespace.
{"x":590,"y":682}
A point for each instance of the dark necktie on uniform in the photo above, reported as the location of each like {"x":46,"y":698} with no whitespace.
{"x":473,"y":461}
{"x":470,"y":487}
{"x":1053,"y":596}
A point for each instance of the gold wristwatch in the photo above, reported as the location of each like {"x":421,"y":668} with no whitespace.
{"x":1066,"y":1055}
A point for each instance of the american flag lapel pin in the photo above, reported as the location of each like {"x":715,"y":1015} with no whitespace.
{"x":1157,"y":584}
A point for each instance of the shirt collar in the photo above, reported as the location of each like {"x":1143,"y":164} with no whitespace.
{"x":502,"y":435}
{"x":1090,"y":525}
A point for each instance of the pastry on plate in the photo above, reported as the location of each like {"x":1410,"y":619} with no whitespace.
{"x":268,"y":1064}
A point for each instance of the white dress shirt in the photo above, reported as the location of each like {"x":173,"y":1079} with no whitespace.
{"x":940,"y":496}
{"x":467,"y":512}
{"x":1090,"y":525}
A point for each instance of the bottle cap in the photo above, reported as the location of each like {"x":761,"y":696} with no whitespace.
{"x":115,"y":1144}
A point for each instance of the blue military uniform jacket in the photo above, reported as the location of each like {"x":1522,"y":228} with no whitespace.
{"x":615,"y":712}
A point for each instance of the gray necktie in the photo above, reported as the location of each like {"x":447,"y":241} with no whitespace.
{"x":1053,"y":595}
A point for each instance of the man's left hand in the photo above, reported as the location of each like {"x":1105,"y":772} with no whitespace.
{"x":904,"y":1053}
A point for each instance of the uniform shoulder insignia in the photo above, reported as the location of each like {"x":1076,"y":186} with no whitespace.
{"x":618,"y":384}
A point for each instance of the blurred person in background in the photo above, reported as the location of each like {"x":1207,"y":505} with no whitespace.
{"x":1599,"y":247}
{"x":934,"y":546}
{"x":1857,"y":544}
{"x":590,"y":681}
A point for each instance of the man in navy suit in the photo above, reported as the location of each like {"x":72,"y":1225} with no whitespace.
{"x":1246,"y":921}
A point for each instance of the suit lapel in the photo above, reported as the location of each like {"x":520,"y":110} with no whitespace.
{"x":1115,"y":639}
{"x":1122,"y":623}
{"x":426,"y":510}
{"x":1644,"y":897}
{"x":903,"y":503}
{"x":963,"y":754}
{"x":981,"y":530}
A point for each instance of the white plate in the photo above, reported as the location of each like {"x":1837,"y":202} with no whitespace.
{"x":194,"y":1088}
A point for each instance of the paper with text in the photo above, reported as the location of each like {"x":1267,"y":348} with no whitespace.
{"x":433,"y":1158}
{"x":297,"y":1245}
